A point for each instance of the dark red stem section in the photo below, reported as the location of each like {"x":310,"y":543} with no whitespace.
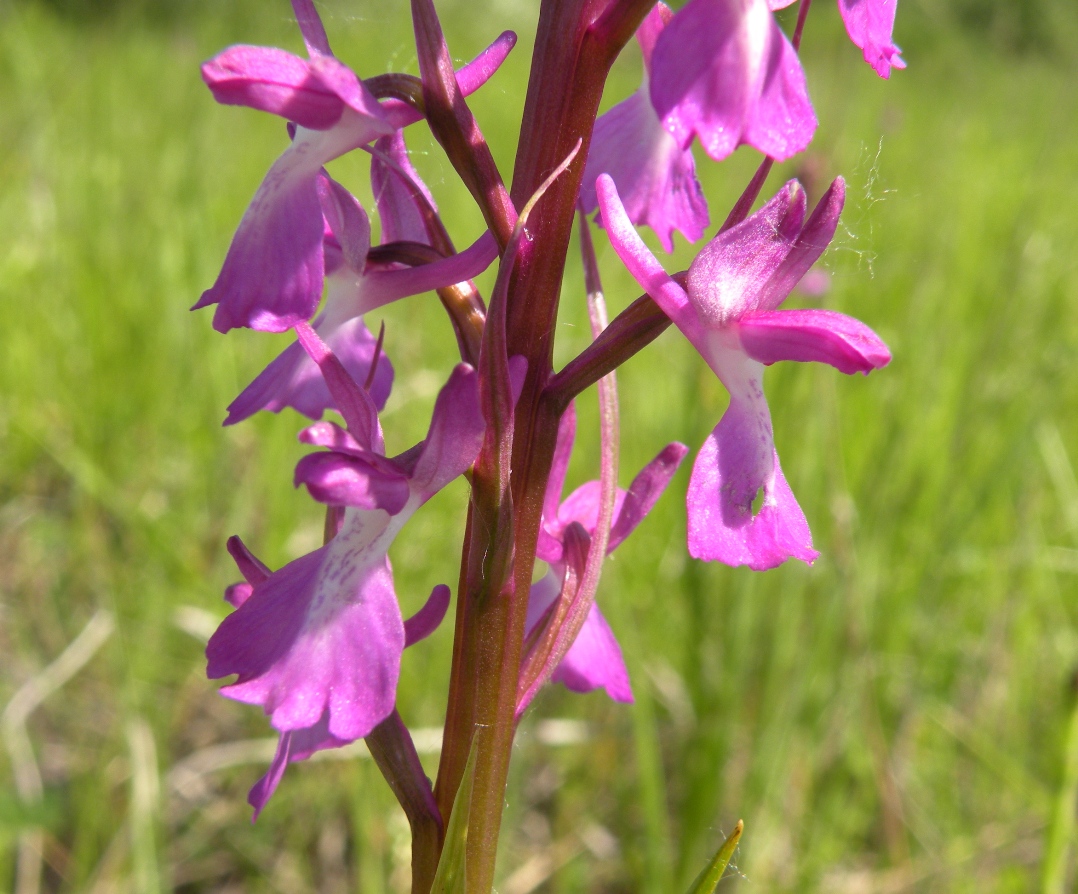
{"x":391,"y":746}
{"x":630,"y":332}
{"x":576,"y":42}
{"x":454,"y":126}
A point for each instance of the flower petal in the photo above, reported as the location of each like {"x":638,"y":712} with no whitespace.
{"x":333,"y":437}
{"x":262,"y":790}
{"x":630,"y":507}
{"x":294,"y":745}
{"x":401,"y":215}
{"x":594,"y":661}
{"x":724,"y":71}
{"x":782,"y":121}
{"x":869,"y":24}
{"x":582,"y":507}
{"x":293,"y":380}
{"x":274,"y":81}
{"x":704,"y":76}
{"x":824,"y":336}
{"x":656,"y":178}
{"x":311,"y":27}
{"x":644,"y":492}
{"x":322,"y":634}
{"x":425,"y":621}
{"x":339,"y":78}
{"x":351,"y":400}
{"x":311,"y":92}
{"x":642,"y":264}
{"x":650,"y":29}
{"x":731,"y":273}
{"x":237,"y":594}
{"x":346,"y":220}
{"x":737,"y":461}
{"x":455,"y":435}
{"x":542,"y":595}
{"x":481,"y":69}
{"x":272,"y":275}
{"x":254,"y":571}
{"x":380,"y":287}
{"x":548,"y":547}
{"x":340,"y":479}
{"x":470,"y":78}
{"x":812,"y":241}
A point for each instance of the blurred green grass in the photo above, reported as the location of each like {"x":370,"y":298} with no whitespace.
{"x":891,"y":719}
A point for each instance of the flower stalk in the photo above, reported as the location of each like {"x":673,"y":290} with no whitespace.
{"x":318,"y":643}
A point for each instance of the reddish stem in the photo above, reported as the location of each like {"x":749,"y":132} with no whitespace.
{"x":575,"y":44}
{"x":391,"y":746}
{"x":802,"y":14}
{"x":454,"y":126}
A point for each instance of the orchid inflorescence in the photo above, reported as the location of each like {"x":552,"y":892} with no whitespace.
{"x":318,"y":643}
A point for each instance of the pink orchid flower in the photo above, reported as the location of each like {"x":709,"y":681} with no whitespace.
{"x":355,"y":287}
{"x":728,"y":311}
{"x":299,"y":744}
{"x":655,"y":176}
{"x":723,"y":70}
{"x":318,"y":643}
{"x":273,"y":274}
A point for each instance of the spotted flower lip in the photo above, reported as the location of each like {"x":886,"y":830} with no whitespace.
{"x":318,"y":643}
{"x":723,"y":70}
{"x":655,"y":176}
{"x":869,"y":23}
{"x":273,"y":273}
{"x":594,"y":660}
{"x":729,"y":313}
{"x":300,"y":744}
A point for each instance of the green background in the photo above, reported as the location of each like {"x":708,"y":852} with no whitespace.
{"x":892,"y":719}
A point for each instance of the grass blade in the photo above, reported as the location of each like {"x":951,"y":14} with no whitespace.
{"x":451,"y":877}
{"x":708,"y":880}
